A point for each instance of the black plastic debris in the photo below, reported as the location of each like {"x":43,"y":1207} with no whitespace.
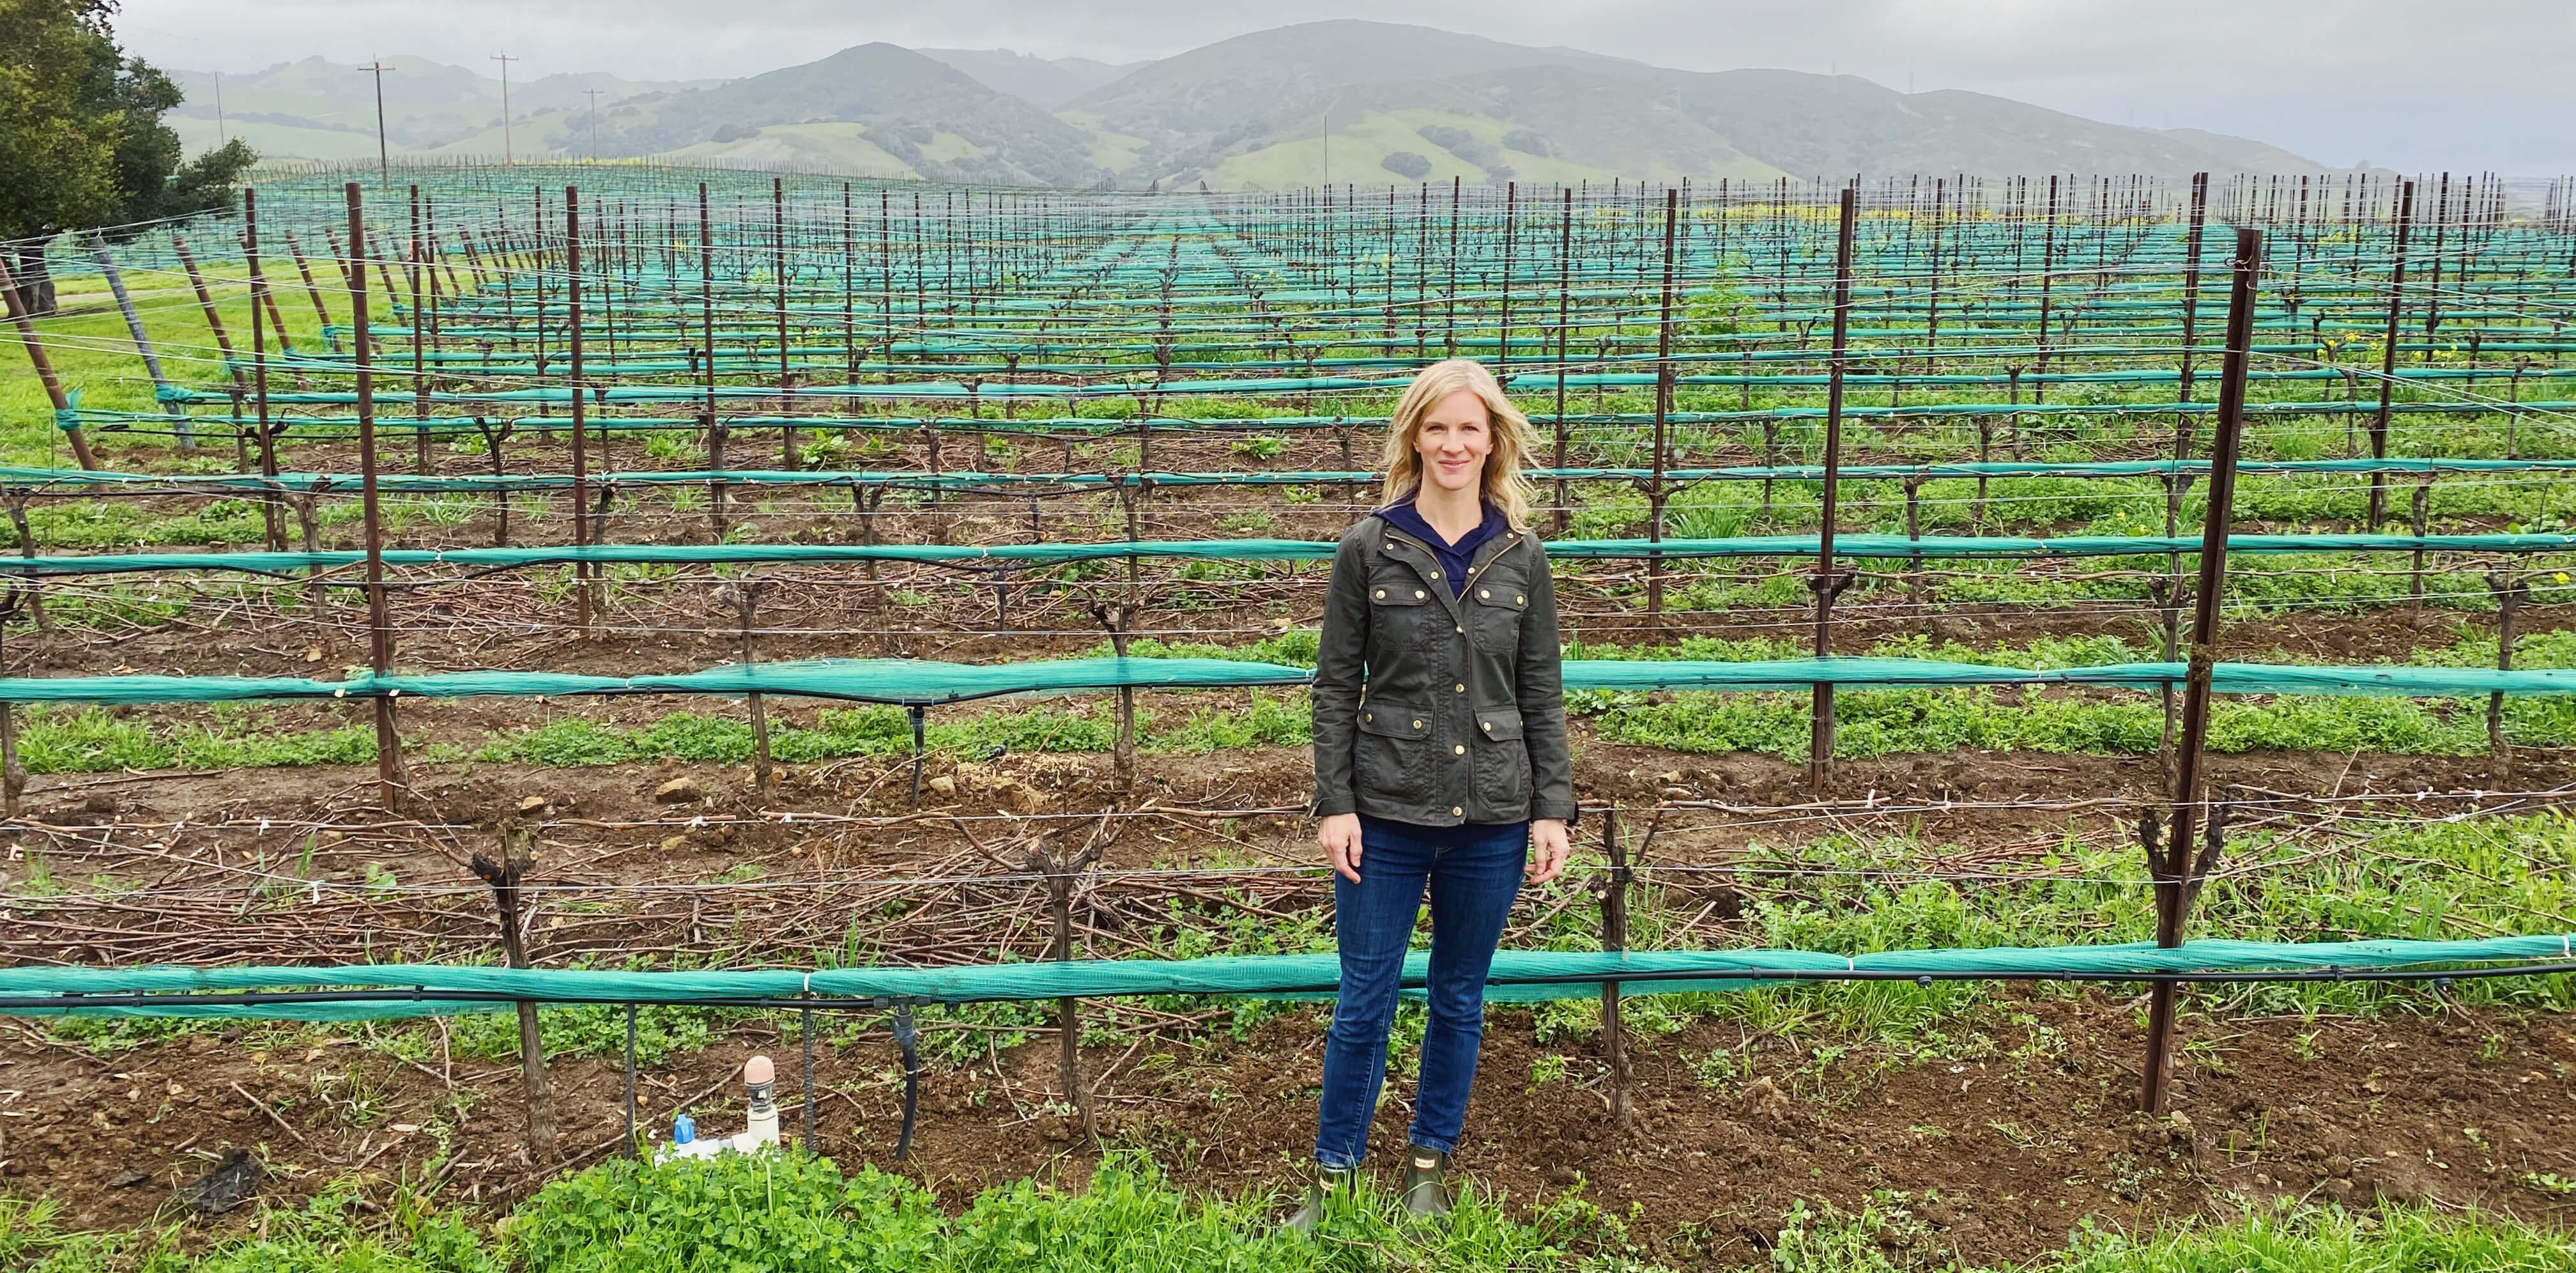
{"x":231,"y":1182}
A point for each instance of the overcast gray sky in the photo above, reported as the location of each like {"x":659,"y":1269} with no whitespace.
{"x":2416,"y":84}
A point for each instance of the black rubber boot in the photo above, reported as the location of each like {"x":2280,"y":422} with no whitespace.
{"x":1425,"y":1196}
{"x":1310,"y":1216}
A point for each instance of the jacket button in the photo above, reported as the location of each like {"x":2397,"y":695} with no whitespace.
{"x":1435,"y":574}
{"x":1462,"y":629}
{"x":1381,"y":594}
{"x":1520,"y":601}
{"x":1462,"y":687}
{"x":1418,"y":594}
{"x":1370,"y":717}
{"x":1456,"y":812}
{"x":1462,"y":749}
{"x":1489,"y":727}
{"x":1417,"y":724}
{"x":1485,"y":593}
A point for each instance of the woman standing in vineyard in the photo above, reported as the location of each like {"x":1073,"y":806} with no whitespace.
{"x":1440,"y":758}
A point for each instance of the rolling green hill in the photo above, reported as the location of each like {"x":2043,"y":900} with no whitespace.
{"x":1208,"y":92}
{"x":936,"y":120}
{"x":314,"y":109}
{"x":1365,"y":103}
{"x":1253,"y":110}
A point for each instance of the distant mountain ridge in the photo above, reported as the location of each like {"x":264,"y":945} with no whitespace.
{"x":1215,"y":87}
{"x":1365,"y":103}
{"x":1240,"y":110}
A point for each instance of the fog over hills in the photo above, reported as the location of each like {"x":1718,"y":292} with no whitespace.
{"x":1047,"y":82}
{"x":1360,"y":102}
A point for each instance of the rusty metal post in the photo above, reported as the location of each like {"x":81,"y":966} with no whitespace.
{"x":1564,"y":302}
{"x":584,"y":601}
{"x":418,"y":266}
{"x":1655,"y":493}
{"x":2177,"y":482}
{"x":312,"y":290}
{"x":1511,"y":227}
{"x":707,"y":329}
{"x":2388,"y":355}
{"x":2191,"y":292}
{"x":13,"y":770}
{"x":206,"y":305}
{"x":272,"y":512}
{"x":2173,"y":873}
{"x":778,"y":267}
{"x":380,"y":629}
{"x":1449,"y":343}
{"x":1826,"y":583}
{"x":2047,"y":281}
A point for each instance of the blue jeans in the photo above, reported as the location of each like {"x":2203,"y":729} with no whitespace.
{"x":1472,"y":872}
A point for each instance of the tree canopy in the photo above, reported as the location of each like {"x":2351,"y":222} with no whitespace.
{"x":82,"y":144}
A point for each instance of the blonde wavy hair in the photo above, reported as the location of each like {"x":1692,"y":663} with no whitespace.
{"x":1503,"y":485}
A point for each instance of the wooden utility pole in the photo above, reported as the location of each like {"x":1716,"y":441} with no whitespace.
{"x":384,"y":157}
{"x":505,"y":60}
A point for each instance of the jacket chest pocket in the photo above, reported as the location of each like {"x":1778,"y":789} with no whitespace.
{"x":1496,"y":605}
{"x":1403,"y":610}
{"x":1394,"y":750}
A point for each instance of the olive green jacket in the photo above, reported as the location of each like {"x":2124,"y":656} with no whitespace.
{"x":1436,"y":709}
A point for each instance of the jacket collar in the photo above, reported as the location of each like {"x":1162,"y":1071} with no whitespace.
{"x":1413,"y":552}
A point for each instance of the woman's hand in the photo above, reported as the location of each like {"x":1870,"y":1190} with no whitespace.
{"x":1340,"y":835}
{"x":1549,"y":847}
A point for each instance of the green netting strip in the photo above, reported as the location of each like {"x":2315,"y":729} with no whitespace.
{"x":911,"y":681}
{"x":1961,"y":547}
{"x":1517,"y":975}
{"x":326,"y":482}
{"x":2226,"y":678}
{"x":395,"y":414}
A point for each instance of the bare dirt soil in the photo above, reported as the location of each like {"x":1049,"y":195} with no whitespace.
{"x":2003,"y":1137}
{"x":2003,"y":1153}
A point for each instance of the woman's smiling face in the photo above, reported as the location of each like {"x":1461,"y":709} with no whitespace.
{"x":1454,"y":438}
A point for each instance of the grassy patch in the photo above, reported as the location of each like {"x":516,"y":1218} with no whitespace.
{"x":786,"y":1212}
